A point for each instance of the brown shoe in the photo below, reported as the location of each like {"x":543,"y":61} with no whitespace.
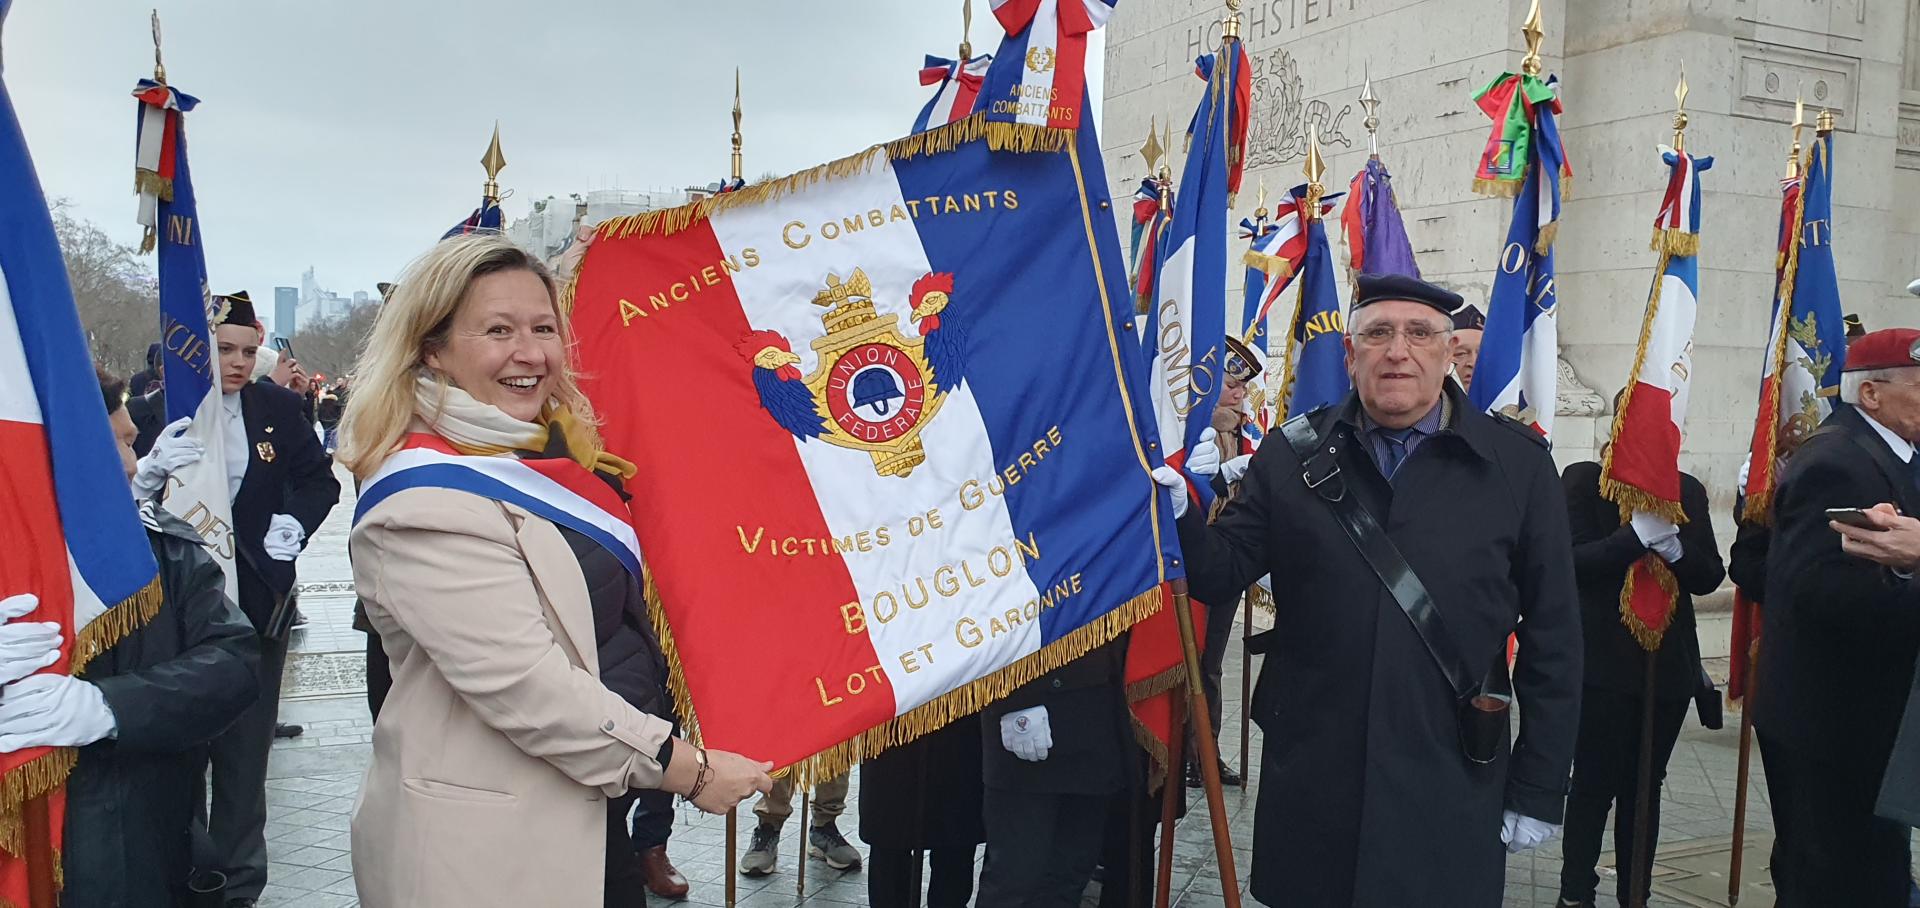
{"x":663,"y":879}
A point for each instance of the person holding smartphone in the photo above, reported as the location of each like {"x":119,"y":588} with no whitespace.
{"x":1842,"y":633}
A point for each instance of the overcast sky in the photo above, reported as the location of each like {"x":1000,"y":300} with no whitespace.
{"x":346,"y":134}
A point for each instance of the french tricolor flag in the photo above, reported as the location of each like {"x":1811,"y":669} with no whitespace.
{"x":73,"y":536}
{"x":959,"y":91}
{"x":935,"y":481}
{"x":1039,"y":74}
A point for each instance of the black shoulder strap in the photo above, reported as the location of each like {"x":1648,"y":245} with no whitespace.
{"x":1321,"y":471}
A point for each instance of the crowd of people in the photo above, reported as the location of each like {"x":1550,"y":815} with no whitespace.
{"x":526,"y":751}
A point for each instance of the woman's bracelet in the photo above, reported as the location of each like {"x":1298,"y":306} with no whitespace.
{"x":700,"y":780}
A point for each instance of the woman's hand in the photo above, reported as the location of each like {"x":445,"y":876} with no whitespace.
{"x":726,"y":780}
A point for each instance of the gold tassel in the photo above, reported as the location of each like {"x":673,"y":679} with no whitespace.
{"x":1544,"y":243}
{"x":1676,"y":243}
{"x":146,"y":182}
{"x":147,"y":240}
{"x":1649,"y":637}
{"x":1010,"y":137}
{"x":1157,"y":756}
{"x":1759,"y":507}
{"x":1498,"y":189}
{"x":970,"y":698}
{"x":1276,"y":267}
{"x":115,"y":623}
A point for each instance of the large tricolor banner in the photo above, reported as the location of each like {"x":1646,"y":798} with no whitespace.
{"x":1806,"y":345}
{"x":73,"y":538}
{"x":885,"y":414}
{"x":1641,"y":472}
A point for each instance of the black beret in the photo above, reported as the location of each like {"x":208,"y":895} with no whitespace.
{"x":1469,"y":318}
{"x":1243,"y":365}
{"x":1375,"y":288}
{"x":237,"y":309}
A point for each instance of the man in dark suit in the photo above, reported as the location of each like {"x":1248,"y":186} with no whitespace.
{"x":1842,"y":633}
{"x":282,"y":486}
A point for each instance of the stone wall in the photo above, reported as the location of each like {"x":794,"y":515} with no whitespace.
{"x":1618,"y":63}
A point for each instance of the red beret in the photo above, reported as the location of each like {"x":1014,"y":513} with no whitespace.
{"x":1888,"y":348}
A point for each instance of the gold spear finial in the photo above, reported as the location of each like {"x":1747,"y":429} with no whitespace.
{"x":494,"y":162}
{"x":1535,"y":34}
{"x":1316,"y":168}
{"x":1230,"y":27}
{"x":736,"y":124}
{"x":1824,"y":124}
{"x":1151,"y":150}
{"x":1260,"y":207}
{"x":1680,"y":112}
{"x":966,"y":32}
{"x":1799,"y":123}
{"x":159,"y":70}
{"x":1371,"y":104}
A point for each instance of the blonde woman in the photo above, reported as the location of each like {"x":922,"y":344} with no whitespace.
{"x":492,"y":551}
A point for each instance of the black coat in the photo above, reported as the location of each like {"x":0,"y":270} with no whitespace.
{"x":1365,"y":795}
{"x":173,"y":685}
{"x":1093,"y":749}
{"x":927,"y":792}
{"x":1900,"y":792}
{"x":1842,"y":633}
{"x":1603,"y":551}
{"x":298,"y":482}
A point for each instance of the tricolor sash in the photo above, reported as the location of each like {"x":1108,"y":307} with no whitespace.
{"x":558,"y":489}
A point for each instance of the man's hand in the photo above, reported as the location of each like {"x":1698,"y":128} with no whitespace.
{"x":52,"y":711}
{"x":567,"y":265}
{"x":1894,"y":540}
{"x":1026,"y":734}
{"x":172,"y":452}
{"x":288,"y":374}
{"x":284,"y":536}
{"x":1175,"y":483}
{"x":1523,"y":833}
{"x":25,"y":646}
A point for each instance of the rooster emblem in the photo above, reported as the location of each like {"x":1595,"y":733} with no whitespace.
{"x":873,"y":388}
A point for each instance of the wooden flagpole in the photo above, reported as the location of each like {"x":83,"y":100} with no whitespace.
{"x":1740,"y":784}
{"x":1208,"y":752}
{"x":806,"y":844}
{"x":733,"y":836}
{"x":1170,"y":789}
{"x":1642,"y":799}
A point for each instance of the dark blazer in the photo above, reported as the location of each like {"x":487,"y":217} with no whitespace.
{"x":1093,"y":746}
{"x":173,"y":685}
{"x":1900,"y":791}
{"x":1603,"y":551}
{"x":1842,"y":633}
{"x":288,"y":472}
{"x":1365,"y":798}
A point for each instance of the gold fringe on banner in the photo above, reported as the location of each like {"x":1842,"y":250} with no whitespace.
{"x":1157,"y":756}
{"x":1649,"y":637}
{"x":1497,"y":189}
{"x":930,"y":716}
{"x":1632,"y":498}
{"x":1149,"y":688}
{"x":1759,"y":508}
{"x":1008,"y":137}
{"x":1544,"y":242}
{"x":1676,"y":243}
{"x":23,"y":784}
{"x":1276,"y":267}
{"x":115,"y":623}
{"x":146,"y":182}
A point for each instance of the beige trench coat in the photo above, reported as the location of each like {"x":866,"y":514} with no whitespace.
{"x":498,"y":745}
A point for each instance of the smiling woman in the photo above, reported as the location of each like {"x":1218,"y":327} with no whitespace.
{"x":495,"y":557}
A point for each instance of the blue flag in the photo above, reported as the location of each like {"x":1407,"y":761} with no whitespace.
{"x":484,"y":219}
{"x":1316,"y":358}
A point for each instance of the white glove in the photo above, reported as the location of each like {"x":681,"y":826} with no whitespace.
{"x":1522,"y":833}
{"x":1026,"y":734}
{"x":1746,"y":465}
{"x":1651,"y":529}
{"x":25,"y":646}
{"x":284,"y":535}
{"x":1232,"y":470}
{"x":1204,"y":459}
{"x":52,"y":711}
{"x":172,"y":451}
{"x":1177,"y":484}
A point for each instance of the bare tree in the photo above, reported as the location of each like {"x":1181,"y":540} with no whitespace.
{"x":330,"y":346}
{"x":117,"y":293}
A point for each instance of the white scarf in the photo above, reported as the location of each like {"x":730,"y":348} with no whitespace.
{"x":458,"y":417}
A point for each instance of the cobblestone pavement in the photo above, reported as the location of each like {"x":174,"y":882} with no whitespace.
{"x":313,"y":779}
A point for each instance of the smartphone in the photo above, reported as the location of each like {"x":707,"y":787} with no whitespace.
{"x":1853,"y":517}
{"x":283,"y":345}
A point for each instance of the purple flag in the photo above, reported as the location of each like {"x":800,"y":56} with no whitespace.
{"x":1376,"y":238}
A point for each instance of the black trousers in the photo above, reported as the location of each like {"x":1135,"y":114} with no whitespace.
{"x":231,"y":835}
{"x":652,"y":818}
{"x":1041,"y":848}
{"x":949,"y":877}
{"x":1829,"y":848}
{"x":1132,"y":818}
{"x":1606,"y":773}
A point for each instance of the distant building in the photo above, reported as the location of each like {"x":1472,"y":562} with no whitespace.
{"x":315,"y":304}
{"x":549,"y":228}
{"x":286,"y":317}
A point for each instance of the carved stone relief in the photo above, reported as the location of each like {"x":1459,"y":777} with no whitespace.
{"x":1281,"y":113}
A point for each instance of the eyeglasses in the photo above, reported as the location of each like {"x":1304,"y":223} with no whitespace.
{"x":1416,"y":335}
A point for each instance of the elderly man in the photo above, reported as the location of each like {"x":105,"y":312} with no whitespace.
{"x":1469,"y":326}
{"x":1842,"y":632}
{"x":1367,"y":798}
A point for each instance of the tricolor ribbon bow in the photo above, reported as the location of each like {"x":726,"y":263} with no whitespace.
{"x":1040,"y":76}
{"x":157,"y":150}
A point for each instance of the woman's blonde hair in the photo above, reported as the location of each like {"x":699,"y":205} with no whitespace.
{"x":414,"y":322}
